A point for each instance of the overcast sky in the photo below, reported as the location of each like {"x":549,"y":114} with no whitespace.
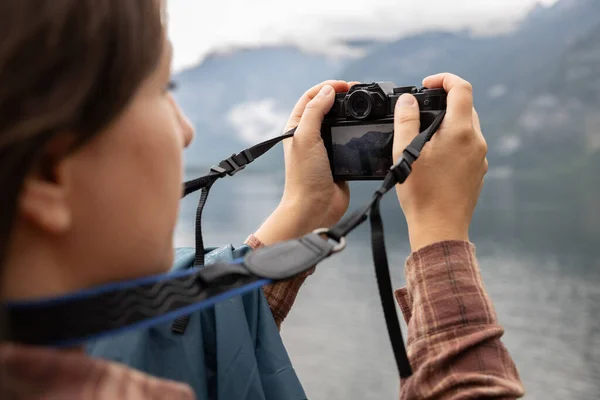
{"x":200,"y":26}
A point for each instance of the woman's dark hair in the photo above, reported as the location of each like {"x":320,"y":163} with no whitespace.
{"x":66,"y":66}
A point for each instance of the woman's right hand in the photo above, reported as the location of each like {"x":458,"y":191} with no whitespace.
{"x":440,"y":195}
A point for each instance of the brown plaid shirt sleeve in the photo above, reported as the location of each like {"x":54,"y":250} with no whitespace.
{"x":280,"y":295}
{"x":453,"y":332}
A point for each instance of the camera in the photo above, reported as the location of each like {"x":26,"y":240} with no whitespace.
{"x":358,"y":131}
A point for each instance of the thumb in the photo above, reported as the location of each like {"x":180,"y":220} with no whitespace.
{"x":309,"y":128}
{"x":407,"y":122}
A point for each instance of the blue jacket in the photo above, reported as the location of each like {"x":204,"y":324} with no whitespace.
{"x":230,"y":351}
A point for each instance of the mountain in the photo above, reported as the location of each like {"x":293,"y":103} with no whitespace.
{"x":536,"y":89}
{"x":238,"y":99}
{"x":506,"y":71}
{"x":560,"y":133}
{"x":562,"y":117}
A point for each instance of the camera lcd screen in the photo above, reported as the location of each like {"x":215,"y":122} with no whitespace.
{"x":362,"y":150}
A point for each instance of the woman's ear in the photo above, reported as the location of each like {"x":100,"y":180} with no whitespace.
{"x":44,"y":199}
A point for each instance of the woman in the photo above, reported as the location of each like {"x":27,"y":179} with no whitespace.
{"x":91,"y":148}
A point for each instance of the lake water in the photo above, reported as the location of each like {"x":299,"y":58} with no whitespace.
{"x":540,"y":265}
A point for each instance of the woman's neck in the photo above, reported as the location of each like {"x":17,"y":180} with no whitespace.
{"x":35,"y":272}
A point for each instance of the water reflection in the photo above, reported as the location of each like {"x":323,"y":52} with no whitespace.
{"x":538,"y":262}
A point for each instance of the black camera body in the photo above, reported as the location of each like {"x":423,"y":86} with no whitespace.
{"x":358,"y":132}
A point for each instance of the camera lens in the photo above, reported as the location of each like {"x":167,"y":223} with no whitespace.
{"x":359,"y":104}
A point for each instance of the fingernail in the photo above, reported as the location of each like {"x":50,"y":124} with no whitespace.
{"x":405,"y":100}
{"x":325,"y":90}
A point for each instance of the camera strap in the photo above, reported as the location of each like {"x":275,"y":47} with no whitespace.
{"x":111,"y":309}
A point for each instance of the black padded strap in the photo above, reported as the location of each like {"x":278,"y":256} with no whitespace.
{"x":71,"y":320}
{"x":297,"y":255}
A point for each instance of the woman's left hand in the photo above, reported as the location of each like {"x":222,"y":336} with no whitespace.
{"x":311,"y":199}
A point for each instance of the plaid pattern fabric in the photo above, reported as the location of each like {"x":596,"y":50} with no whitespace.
{"x":37,"y":373}
{"x":453,"y":332}
{"x":280,"y":295}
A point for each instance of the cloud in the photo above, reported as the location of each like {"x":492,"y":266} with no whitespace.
{"x":198,"y":27}
{"x":257,"y":121}
{"x":498,"y":90}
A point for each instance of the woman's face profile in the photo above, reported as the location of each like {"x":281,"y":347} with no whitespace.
{"x":111,"y":208}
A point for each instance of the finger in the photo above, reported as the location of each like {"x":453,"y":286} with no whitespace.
{"x":350,"y":84}
{"x":343,"y":185}
{"x":476,"y":121}
{"x":296,"y":115}
{"x":309,"y":128}
{"x":478,"y":132}
{"x":481,"y":185}
{"x":460,"y":94}
{"x":477,"y":124}
{"x":407,"y":121}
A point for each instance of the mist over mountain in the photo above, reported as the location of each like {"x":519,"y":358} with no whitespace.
{"x":537,"y":90}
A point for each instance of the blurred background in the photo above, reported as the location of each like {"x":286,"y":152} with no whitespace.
{"x":535,"y":66}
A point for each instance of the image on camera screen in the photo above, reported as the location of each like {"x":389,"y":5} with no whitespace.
{"x":362,"y":150}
